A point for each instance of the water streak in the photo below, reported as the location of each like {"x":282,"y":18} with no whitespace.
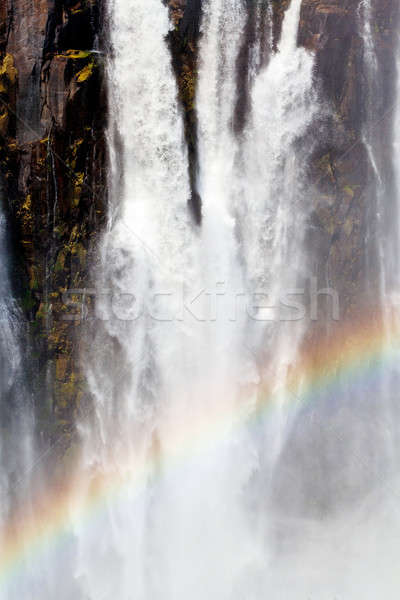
{"x":155,"y":375}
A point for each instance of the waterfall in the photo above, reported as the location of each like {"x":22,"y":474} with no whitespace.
{"x":273,"y":216}
{"x":382,"y":245}
{"x":396,"y":160}
{"x":373,"y":103}
{"x":397,"y":128}
{"x":337,"y":477}
{"x":16,"y":419}
{"x":147,"y":258}
{"x":10,"y":364}
{"x":177,"y":358}
{"x":205,"y":466}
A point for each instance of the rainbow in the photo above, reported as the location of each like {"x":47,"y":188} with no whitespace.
{"x":354,"y":351}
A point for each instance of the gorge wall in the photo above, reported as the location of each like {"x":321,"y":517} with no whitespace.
{"x":53,"y":119}
{"x":52,"y":153}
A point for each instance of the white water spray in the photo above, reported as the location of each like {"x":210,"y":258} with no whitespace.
{"x":16,"y":422}
{"x":190,"y":531}
{"x":198,"y":498}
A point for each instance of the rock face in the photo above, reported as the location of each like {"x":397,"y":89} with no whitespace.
{"x":183,"y":41}
{"x":342,"y":174}
{"x":53,"y":159}
{"x":52,"y":153}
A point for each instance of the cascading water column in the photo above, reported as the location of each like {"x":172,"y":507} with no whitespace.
{"x":162,"y":380}
{"x":139,"y":352}
{"x":396,"y":164}
{"x":16,"y":418}
{"x":272,"y":211}
{"x":382,"y":245}
{"x":9,"y":370}
{"x":376,"y":252}
{"x":174,"y":384}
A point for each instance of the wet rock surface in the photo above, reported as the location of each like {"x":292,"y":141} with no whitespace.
{"x":52,"y":153}
{"x":53,"y":158}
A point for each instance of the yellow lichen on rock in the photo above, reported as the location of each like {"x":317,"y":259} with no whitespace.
{"x":8,"y":70}
{"x":86,"y":72}
{"x":4,"y":122}
{"x":8,"y":83}
{"x":76,"y":53}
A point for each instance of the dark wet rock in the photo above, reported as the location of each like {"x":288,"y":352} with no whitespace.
{"x":53,"y":157}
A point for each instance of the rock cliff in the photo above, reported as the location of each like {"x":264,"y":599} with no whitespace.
{"x":53,"y":118}
{"x":52,"y":158}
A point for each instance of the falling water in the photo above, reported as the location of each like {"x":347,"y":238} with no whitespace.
{"x":16,"y":423}
{"x":184,"y":487}
{"x":336,"y":482}
{"x":272,"y":219}
{"x":177,"y":363}
{"x":376,"y":188}
{"x":396,"y":161}
{"x":383,"y":244}
{"x":10,"y":363}
{"x":143,"y":352}
{"x":397,"y":130}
